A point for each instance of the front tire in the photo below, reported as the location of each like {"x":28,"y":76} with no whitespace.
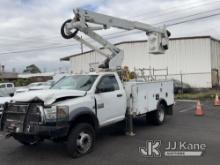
{"x":81,"y":140}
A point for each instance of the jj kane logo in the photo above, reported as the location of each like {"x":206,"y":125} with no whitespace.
{"x":152,"y":148}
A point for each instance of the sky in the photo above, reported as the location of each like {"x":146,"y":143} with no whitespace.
{"x":30,"y":29}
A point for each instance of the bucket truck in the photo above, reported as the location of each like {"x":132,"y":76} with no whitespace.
{"x":77,"y":106}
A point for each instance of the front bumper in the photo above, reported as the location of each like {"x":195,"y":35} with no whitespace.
{"x":51,"y":130}
{"x":24,"y":119}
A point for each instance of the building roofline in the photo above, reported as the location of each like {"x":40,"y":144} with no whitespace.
{"x":140,"y":41}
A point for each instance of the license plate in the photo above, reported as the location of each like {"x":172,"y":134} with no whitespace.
{"x":11,"y":127}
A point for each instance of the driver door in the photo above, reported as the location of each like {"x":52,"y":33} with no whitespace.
{"x":110,"y":100}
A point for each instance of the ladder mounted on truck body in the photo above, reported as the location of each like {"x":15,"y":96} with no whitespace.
{"x":84,"y":22}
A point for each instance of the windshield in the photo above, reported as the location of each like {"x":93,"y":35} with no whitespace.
{"x":76,"y":82}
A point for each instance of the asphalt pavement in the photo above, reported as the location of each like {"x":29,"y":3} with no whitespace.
{"x":113,"y":147}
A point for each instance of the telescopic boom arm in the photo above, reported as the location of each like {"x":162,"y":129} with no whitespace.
{"x":158,"y":37}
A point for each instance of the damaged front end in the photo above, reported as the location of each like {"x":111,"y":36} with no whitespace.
{"x":34,"y":119}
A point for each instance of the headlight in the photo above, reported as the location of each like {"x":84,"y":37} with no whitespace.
{"x":57,"y":113}
{"x":50,"y":113}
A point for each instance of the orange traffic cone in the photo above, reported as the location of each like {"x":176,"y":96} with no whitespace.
{"x":216,"y":101}
{"x":199,"y":111}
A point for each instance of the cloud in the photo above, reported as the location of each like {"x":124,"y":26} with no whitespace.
{"x":35,"y":24}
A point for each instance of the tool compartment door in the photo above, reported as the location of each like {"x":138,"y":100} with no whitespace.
{"x":145,"y":96}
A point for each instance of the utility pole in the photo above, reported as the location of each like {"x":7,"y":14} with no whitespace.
{"x":181,"y":80}
{"x":81,"y":46}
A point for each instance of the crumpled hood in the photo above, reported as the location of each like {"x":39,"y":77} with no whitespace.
{"x":47,"y":96}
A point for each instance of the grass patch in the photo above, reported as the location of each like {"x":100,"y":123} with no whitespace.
{"x":205,"y":95}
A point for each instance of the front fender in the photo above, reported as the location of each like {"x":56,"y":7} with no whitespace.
{"x":84,"y":114}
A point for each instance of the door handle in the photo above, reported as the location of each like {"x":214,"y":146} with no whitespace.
{"x":119,"y":95}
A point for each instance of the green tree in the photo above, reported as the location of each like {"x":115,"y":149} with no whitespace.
{"x":21,"y":82}
{"x":32,"y":69}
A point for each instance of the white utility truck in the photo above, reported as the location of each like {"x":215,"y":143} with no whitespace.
{"x":76,"y":107}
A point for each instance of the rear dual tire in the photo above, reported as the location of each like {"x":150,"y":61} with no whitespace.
{"x":157,"y":117}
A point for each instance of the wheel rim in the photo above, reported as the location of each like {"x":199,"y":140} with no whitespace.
{"x":161,"y":115}
{"x":84,"y":142}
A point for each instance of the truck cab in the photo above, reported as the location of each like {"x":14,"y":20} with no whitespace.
{"x":94,"y":99}
{"x":104,"y":96}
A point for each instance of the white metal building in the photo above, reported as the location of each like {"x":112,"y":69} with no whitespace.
{"x":194,"y":59}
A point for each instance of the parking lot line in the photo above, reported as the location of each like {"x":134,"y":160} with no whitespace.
{"x":187,"y":109}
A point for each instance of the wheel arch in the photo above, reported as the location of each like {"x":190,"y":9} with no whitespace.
{"x":162,"y":101}
{"x":168,"y":108}
{"x":83,"y":114}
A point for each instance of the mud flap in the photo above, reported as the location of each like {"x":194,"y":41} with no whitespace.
{"x":169,"y":110}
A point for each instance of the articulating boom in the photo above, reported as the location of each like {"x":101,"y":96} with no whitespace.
{"x":157,"y":37}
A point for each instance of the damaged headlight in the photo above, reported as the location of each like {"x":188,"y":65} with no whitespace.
{"x":57,"y":113}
